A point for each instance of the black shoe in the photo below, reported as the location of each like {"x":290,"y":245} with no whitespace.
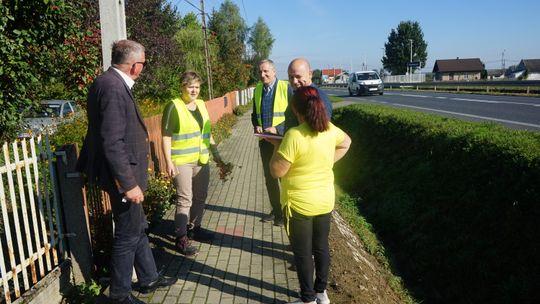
{"x":183,"y":246}
{"x":267,"y":218}
{"x":200,"y":234}
{"x":130,"y":299}
{"x":161,"y":281}
{"x":278,"y":222}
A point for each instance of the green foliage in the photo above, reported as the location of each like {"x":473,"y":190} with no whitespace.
{"x":222,"y":129}
{"x":261,"y":41}
{"x":447,"y":195}
{"x":85,"y":293}
{"x":242,"y":109}
{"x":149,"y":107}
{"x":47,"y":50}
{"x":317,"y":77}
{"x":334,"y":98}
{"x":230,"y":72}
{"x":398,"y":48}
{"x":190,"y":39}
{"x":159,"y":197}
{"x":153,"y":23}
{"x":347,"y":207}
{"x":71,"y":131}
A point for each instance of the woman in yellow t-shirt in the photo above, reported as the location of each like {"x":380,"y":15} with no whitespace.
{"x":304,"y":160}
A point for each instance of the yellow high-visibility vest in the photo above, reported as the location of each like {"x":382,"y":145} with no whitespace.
{"x":280,"y":102}
{"x":190,"y":144}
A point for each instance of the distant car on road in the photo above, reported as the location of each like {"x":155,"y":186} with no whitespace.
{"x":49,"y":115}
{"x":365,"y":82}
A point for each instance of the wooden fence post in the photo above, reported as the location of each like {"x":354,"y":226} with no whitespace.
{"x":75,"y":213}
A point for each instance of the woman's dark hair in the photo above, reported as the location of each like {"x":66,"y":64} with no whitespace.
{"x":308,"y":103}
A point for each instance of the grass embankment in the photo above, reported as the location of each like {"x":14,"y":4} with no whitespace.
{"x":454,"y":205}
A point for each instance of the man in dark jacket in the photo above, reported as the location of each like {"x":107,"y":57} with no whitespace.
{"x":300,"y":74}
{"x":115,"y":155}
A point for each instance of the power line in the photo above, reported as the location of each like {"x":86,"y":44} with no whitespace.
{"x":245,"y":12}
{"x":206,"y":47}
{"x":192,"y":5}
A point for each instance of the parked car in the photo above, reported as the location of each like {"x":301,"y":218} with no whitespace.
{"x":365,"y":82}
{"x":49,"y":115}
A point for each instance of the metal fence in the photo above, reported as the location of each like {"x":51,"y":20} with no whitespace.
{"x":30,"y":227}
{"x":412,"y":78}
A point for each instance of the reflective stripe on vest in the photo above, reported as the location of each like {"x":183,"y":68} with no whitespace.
{"x":280,"y":102}
{"x":189,"y":145}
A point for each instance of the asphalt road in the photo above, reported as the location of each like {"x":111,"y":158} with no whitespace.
{"x":512,"y":111}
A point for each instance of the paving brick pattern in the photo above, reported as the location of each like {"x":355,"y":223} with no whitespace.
{"x":248,"y":261}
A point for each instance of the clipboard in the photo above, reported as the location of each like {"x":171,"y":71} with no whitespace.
{"x":268,"y":135}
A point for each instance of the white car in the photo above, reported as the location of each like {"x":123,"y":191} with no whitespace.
{"x":49,"y":115}
{"x":365,"y":83}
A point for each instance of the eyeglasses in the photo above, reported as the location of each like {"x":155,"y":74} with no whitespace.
{"x":141,"y":62}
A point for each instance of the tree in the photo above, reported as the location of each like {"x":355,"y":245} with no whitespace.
{"x":317,"y":76}
{"x":398,"y":48}
{"x":154,"y":23}
{"x":191,"y":40}
{"x":260,"y":41}
{"x":228,"y":27}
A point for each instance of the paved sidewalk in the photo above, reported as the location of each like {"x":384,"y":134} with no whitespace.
{"x":248,"y":261}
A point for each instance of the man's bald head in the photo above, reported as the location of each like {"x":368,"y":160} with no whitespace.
{"x":299,"y":73}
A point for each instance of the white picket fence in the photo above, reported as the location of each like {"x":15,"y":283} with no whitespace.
{"x":244,"y":96}
{"x":30,"y":227}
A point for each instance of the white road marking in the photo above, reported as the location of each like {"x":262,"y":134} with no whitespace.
{"x":473,"y":116}
{"x":477,"y":100}
{"x":474,"y":100}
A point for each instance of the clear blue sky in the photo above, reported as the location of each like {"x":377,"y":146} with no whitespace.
{"x":348,"y":33}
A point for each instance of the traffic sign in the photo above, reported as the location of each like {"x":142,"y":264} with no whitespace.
{"x":413,"y":64}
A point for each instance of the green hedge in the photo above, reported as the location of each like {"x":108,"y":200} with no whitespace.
{"x":455,"y":203}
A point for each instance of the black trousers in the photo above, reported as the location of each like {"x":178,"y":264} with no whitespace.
{"x":130,"y":247}
{"x":272,"y":184}
{"x":309,"y":241}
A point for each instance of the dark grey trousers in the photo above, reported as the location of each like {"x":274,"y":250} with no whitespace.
{"x":130,"y":247}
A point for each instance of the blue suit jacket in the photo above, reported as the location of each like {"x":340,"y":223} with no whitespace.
{"x":115,"y":149}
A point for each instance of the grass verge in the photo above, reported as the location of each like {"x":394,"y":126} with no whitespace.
{"x":347,"y":206}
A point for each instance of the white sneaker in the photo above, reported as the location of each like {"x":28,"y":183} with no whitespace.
{"x":299,"y":301}
{"x":322,"y":298}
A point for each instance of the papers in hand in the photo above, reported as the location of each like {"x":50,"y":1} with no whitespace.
{"x":268,"y":135}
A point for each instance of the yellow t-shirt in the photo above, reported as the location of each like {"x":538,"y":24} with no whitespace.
{"x":308,"y":186}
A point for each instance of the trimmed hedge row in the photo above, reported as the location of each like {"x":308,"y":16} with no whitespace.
{"x":456,"y":204}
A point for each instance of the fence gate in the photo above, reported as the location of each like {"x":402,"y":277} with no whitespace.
{"x":31,"y":239}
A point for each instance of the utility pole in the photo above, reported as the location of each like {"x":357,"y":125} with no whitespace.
{"x":503,"y":63}
{"x":206,"y":53}
{"x":112,"y":18}
{"x":410,"y":67}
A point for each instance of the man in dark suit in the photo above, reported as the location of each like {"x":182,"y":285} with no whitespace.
{"x":115,"y":155}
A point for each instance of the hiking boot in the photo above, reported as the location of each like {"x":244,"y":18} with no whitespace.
{"x":322,"y":298}
{"x":267,"y":218}
{"x":199,"y":234}
{"x":183,"y":246}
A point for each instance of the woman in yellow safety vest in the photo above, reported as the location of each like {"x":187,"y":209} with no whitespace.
{"x":187,"y":140}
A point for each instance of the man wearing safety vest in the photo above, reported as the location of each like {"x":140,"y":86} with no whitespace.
{"x":187,"y":141}
{"x":270,"y":101}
